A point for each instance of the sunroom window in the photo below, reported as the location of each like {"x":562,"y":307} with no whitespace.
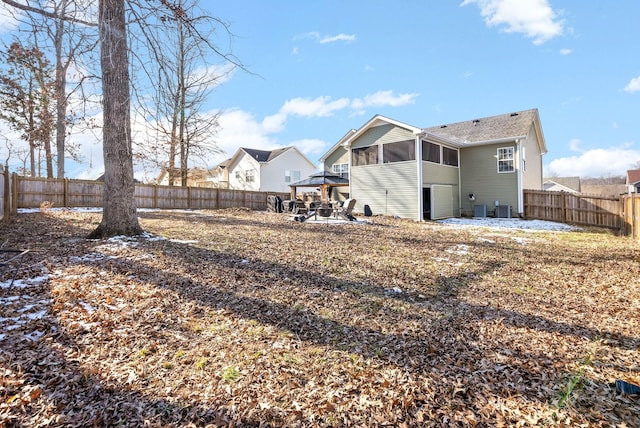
{"x":364,"y":156}
{"x":430,"y":152}
{"x":449,"y":156}
{"x":399,"y":152}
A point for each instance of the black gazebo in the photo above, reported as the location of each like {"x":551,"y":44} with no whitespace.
{"x":324,"y":180}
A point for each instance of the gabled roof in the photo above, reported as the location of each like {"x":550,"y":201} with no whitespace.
{"x":378,"y":120}
{"x":572,"y":183}
{"x":633,"y":176}
{"x":340,"y":143}
{"x":223,"y":164}
{"x":488,"y":130}
{"x":264,"y":155}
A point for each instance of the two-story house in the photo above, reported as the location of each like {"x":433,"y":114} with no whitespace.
{"x":446,"y":170}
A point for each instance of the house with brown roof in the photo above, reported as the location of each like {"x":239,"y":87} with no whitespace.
{"x":474,"y":167}
{"x":633,"y":181}
{"x":267,"y":170}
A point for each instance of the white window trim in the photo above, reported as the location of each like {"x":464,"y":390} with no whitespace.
{"x":512,"y":159}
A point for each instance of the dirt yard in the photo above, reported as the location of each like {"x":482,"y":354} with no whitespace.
{"x":238,"y":318}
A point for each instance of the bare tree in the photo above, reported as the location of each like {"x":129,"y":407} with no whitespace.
{"x":70,"y":42}
{"x":26,"y":94}
{"x":62,"y":28}
{"x":119,"y":209}
{"x":179,"y":59}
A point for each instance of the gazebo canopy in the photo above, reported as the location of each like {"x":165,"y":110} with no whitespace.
{"x":324,"y":180}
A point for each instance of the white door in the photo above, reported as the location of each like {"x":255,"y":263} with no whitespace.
{"x":441,"y":201}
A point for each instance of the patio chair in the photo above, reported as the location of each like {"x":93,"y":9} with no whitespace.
{"x":347,"y":209}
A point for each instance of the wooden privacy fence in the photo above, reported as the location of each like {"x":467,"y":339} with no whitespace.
{"x":574,"y":208}
{"x":4,"y":194}
{"x":28,"y":192}
{"x":621,"y":214}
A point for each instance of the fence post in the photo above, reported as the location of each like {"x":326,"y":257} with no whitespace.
{"x":6,"y":196}
{"x":65,"y":193}
{"x":635,"y":232}
{"x":14,"y":193}
{"x":155,"y":196}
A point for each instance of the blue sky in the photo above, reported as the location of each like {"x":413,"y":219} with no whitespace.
{"x":320,"y":68}
{"x":328,"y":66}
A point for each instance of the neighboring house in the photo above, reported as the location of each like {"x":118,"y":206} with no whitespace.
{"x":196,"y":177}
{"x":633,"y":181}
{"x":267,"y":170}
{"x":220,"y":175}
{"x":447,"y":170}
{"x":562,"y":184}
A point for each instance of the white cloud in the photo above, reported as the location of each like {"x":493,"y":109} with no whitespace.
{"x":534,"y":18}
{"x":9,"y":18}
{"x":314,"y":35}
{"x":633,"y":85}
{"x":574,"y":145}
{"x":613,"y":161}
{"x":338,"y":38}
{"x":319,"y":107}
{"x":566,"y":51}
{"x":310,"y":146}
{"x":383,"y":98}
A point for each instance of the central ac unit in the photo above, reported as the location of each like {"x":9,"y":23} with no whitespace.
{"x":503,"y":211}
{"x":479,"y":210}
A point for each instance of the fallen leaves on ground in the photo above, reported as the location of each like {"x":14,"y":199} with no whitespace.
{"x":240,"y":318}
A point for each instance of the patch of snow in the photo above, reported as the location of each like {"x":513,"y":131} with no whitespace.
{"x":24,"y":283}
{"x":34,"y":336}
{"x":183,"y":241}
{"x":509,"y":223}
{"x":87,"y":307}
{"x":460,"y":250}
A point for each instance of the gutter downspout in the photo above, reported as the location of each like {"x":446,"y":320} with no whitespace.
{"x":419,"y":166}
{"x":520,"y":190}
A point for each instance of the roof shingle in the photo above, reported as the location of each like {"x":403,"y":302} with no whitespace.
{"x":490,"y":128}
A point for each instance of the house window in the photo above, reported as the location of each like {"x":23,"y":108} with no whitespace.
{"x":250,"y":176}
{"x":364,"y":156}
{"x":430,"y":152}
{"x":506,"y":159}
{"x":287,"y":176}
{"x":238,"y":176}
{"x":449,"y":156}
{"x":399,"y":152}
{"x":296,"y":175}
{"x":341,"y":169}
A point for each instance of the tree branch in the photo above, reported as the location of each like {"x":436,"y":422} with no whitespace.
{"x":27,"y":8}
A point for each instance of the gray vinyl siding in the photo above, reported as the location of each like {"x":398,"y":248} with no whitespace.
{"x":382,"y":134}
{"x":340,"y":155}
{"x":479,"y":175}
{"x":532,"y":175}
{"x":388,"y":189}
{"x":437,"y":174}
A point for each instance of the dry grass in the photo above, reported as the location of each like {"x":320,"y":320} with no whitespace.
{"x":243,"y":318}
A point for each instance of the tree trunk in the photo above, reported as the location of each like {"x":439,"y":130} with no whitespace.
{"x":119,"y":210}
{"x":61,"y":98}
